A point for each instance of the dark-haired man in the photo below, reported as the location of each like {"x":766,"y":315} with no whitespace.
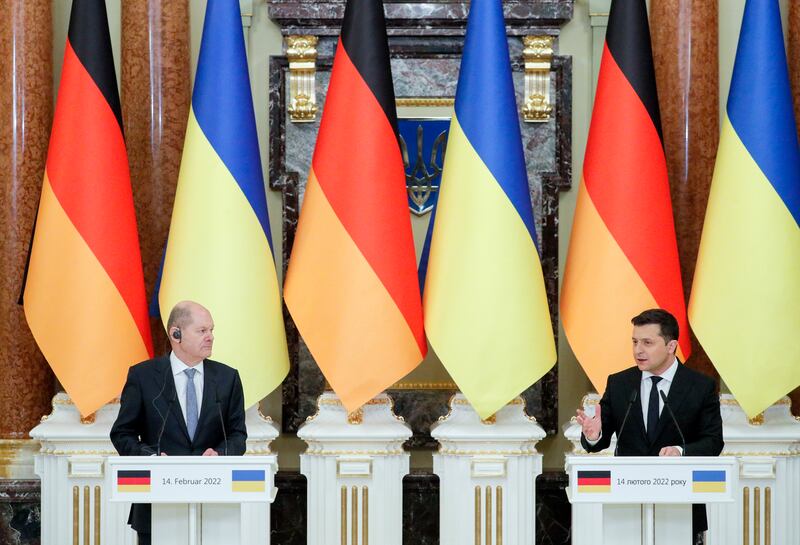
{"x":185,"y":394}
{"x":691,"y":395}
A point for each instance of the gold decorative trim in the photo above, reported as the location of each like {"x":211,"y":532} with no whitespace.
{"x":262,"y":416}
{"x":97,"y":504}
{"x":538,"y":55}
{"x":344,"y":515}
{"x":393,"y":452}
{"x":364,"y":515}
{"x":421,"y":102}
{"x":302,"y":54}
{"x":337,"y":402}
{"x":356,"y":417}
{"x":488,"y":515}
{"x":499,"y":521}
{"x":354,"y":515}
{"x":732,"y":402}
{"x":76,"y":515}
{"x":587,"y":401}
{"x":756,"y":516}
{"x":490,"y":420}
{"x":423,"y":386}
{"x":258,"y":451}
{"x":90,"y":419}
{"x":86,"y":516}
{"x":746,"y":515}
{"x":757,"y":420}
{"x":458,"y":452}
{"x":61,"y":452}
{"x":477,"y":515}
{"x":767,"y":516}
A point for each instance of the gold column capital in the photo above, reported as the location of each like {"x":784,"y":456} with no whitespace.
{"x":538,"y":56}
{"x":301,"y":50}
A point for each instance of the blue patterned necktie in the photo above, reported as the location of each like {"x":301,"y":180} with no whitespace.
{"x":652,"y":410}
{"x":191,"y":403}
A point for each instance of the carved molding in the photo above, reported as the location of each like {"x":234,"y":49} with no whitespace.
{"x":302,"y":54}
{"x":538,"y":55}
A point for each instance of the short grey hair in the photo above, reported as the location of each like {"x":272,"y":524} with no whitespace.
{"x":180,"y":316}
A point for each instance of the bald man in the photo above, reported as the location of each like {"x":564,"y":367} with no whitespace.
{"x":181,"y":404}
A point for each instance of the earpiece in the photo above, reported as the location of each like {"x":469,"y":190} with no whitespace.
{"x":176,"y":334}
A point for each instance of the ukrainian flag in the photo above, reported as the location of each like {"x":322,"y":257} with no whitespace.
{"x":485,"y":306}
{"x":745,"y":303}
{"x":248,"y":480}
{"x":708,"y":481}
{"x":219,"y":249}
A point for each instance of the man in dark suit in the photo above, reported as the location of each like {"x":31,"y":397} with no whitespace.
{"x":181,"y":404}
{"x":649,"y":430}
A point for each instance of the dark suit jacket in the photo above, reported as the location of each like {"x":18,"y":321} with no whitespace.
{"x":149,"y":400}
{"x":692,"y":397}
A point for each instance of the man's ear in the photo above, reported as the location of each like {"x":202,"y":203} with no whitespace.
{"x":672,"y":346}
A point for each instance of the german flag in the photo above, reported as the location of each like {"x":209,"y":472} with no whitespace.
{"x":594,"y":481}
{"x":351,"y":286}
{"x":84,"y":297}
{"x":623,"y":254}
{"x":133,"y":480}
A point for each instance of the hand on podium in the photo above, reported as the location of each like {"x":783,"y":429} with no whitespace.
{"x":669,"y":451}
{"x":590,"y":425}
{"x":210,"y":452}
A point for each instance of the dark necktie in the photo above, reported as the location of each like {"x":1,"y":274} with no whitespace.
{"x":652,"y":410}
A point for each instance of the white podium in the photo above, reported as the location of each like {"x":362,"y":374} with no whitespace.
{"x":646,"y":500}
{"x":196,"y":499}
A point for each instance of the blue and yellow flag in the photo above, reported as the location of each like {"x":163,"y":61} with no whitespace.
{"x":745,"y":303}
{"x":219,"y":249}
{"x":486,"y":312}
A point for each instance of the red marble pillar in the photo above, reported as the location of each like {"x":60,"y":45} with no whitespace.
{"x":155,"y":98}
{"x":794,"y":75}
{"x":26,"y":112}
{"x":684,"y":35}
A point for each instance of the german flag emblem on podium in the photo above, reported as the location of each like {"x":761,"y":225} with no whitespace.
{"x":133,"y":481}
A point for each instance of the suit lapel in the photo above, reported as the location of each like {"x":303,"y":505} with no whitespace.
{"x":637,"y":418}
{"x":208,"y":408}
{"x":170,"y":393}
{"x":677,"y":391}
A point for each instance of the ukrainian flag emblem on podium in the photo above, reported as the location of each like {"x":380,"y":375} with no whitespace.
{"x":248,"y":480}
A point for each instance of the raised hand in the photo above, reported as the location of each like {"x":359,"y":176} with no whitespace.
{"x":590,"y":425}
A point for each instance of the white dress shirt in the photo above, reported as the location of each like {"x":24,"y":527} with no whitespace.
{"x":181,"y":381}
{"x":644,"y":395}
{"x":663,"y":386}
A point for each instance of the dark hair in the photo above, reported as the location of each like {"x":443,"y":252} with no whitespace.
{"x":659,"y":316}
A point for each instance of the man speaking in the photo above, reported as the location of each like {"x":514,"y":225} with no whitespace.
{"x":641,"y":393}
{"x":183,"y":404}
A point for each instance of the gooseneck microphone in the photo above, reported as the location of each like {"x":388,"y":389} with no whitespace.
{"x":674,"y":421}
{"x":634,"y":397}
{"x":164,"y":423}
{"x":221,"y":420}
{"x":163,"y":417}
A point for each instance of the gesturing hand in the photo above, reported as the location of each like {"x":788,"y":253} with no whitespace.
{"x":590,"y":425}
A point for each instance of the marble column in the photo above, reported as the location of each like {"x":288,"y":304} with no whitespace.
{"x":26,"y":112}
{"x":155,"y":106}
{"x":794,"y":75}
{"x":684,"y":35}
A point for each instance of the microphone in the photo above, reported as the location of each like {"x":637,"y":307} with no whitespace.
{"x":163,"y":418}
{"x":221,"y":420}
{"x":634,"y":397}
{"x":675,"y":421}
{"x":164,"y":424}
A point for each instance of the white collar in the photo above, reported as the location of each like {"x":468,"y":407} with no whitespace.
{"x":179,"y":367}
{"x":668,"y":375}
